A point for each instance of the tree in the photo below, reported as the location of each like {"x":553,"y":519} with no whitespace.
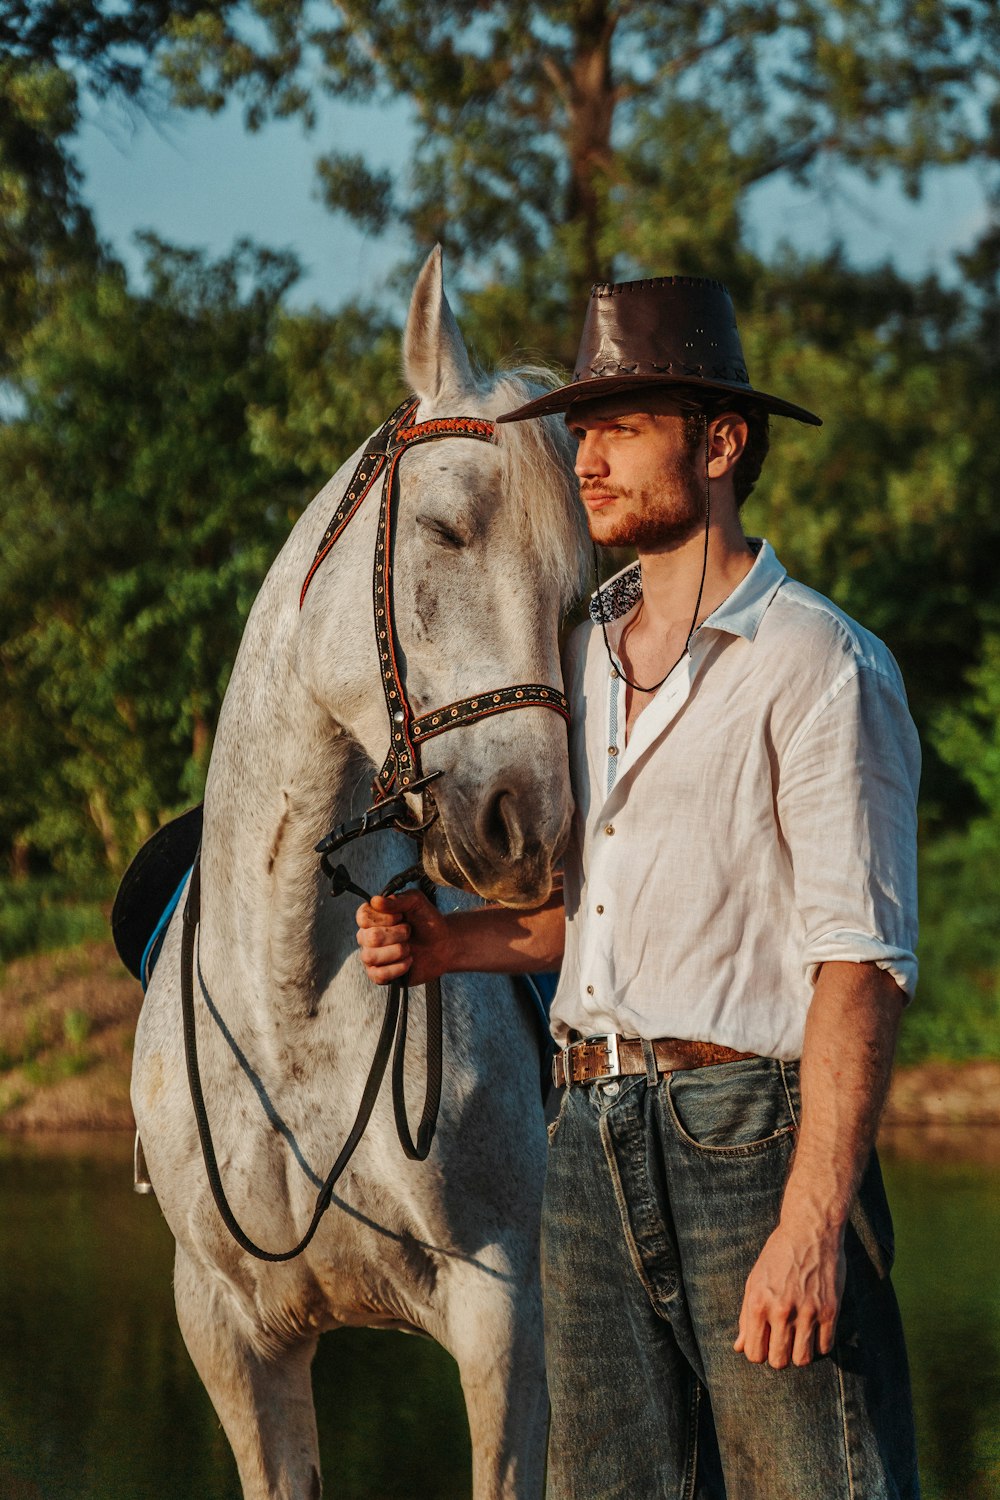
{"x":52,"y":53}
{"x":550,"y":131}
{"x":45,"y":230}
{"x":139,"y":519}
{"x":959,"y":1010}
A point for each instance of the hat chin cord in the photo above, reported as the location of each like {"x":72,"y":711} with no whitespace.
{"x":635,"y":686}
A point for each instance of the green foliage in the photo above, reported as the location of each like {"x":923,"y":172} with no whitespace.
{"x":40,"y":1032}
{"x":139,"y":521}
{"x":108,"y":43}
{"x":39,"y":915}
{"x":43,"y":1072}
{"x":339,"y":379}
{"x":889,"y":507}
{"x":47,"y":1051}
{"x":167,"y":442}
{"x":956,"y":1012}
{"x":76,"y":1028}
{"x":52,"y":54}
{"x":363,"y":195}
{"x":46,"y":234}
{"x":968,"y":735}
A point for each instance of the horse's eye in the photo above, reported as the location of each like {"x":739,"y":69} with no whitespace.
{"x":442,"y":533}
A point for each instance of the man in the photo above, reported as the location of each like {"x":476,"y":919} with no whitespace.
{"x":737,"y":931}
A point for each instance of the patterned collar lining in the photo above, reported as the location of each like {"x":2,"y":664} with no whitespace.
{"x":739,"y":614}
{"x":616,"y":597}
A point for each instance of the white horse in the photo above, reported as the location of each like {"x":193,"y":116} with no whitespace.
{"x":487,"y":553}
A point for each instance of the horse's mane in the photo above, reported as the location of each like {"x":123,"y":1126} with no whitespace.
{"x":537,"y":459}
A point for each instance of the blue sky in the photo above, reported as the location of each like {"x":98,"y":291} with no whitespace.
{"x":205,"y":181}
{"x":200,"y":180}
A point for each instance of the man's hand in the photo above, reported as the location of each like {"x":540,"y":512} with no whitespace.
{"x":403,"y":934}
{"x":792,"y":1298}
{"x":406,"y":934}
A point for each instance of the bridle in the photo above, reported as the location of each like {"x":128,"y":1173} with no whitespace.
{"x":401,"y":776}
{"x":407,"y":731}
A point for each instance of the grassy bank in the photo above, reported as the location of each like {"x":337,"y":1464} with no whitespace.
{"x":39,"y":915}
{"x":67,"y":1020}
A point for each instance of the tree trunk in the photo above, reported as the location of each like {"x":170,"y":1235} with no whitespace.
{"x":19,"y":851}
{"x":591,"y":106}
{"x":97,"y":805}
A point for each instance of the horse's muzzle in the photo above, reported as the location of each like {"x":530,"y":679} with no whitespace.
{"x":499,"y":847}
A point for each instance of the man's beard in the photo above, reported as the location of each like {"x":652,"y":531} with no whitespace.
{"x":655,"y":520}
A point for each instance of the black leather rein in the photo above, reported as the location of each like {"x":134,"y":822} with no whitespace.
{"x":394,"y":1027}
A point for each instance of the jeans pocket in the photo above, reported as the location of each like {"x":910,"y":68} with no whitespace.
{"x":737,"y":1109}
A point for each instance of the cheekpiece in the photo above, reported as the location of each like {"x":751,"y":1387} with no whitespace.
{"x":666,"y":331}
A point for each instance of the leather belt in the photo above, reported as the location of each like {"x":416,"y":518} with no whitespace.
{"x":612,"y":1056}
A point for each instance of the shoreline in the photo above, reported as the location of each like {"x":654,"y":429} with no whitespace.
{"x":67,"y":1023}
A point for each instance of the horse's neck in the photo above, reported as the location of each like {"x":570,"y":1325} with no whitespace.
{"x":282,"y":775}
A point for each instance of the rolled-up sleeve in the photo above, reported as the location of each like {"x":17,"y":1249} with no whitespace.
{"x":847,"y":808}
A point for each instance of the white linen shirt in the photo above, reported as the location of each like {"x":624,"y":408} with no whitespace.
{"x":760,"y":821}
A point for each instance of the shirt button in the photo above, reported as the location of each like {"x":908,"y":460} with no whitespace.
{"x":614,"y":671}
{"x":609,"y":829}
{"x":599,"y":910}
{"x":590,"y":989}
{"x":612,"y":749}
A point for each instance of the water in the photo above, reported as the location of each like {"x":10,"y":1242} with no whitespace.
{"x":98,"y":1400}
{"x":944,"y":1188}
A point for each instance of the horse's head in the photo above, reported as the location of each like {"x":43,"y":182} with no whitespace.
{"x":486,"y":555}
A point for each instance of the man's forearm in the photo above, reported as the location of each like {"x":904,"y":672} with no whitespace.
{"x":846,"y":1064}
{"x":498,"y":940}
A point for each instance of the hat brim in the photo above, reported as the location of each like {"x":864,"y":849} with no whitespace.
{"x":579,"y":391}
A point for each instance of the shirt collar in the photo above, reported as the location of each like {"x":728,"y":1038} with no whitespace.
{"x":738,"y":614}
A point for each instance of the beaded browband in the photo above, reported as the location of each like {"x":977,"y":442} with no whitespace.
{"x":401,"y":768}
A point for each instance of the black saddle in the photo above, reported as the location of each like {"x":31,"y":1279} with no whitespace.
{"x":154,"y":877}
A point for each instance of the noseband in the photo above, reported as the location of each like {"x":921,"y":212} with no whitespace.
{"x":407,"y":731}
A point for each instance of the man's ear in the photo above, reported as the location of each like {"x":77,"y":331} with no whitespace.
{"x":726,"y":439}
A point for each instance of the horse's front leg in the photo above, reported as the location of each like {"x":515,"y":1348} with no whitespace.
{"x":265,"y":1403}
{"x":493,"y":1328}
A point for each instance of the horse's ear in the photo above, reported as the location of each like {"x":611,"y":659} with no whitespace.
{"x":435,"y":361}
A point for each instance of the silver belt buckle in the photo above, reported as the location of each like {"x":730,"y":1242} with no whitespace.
{"x":610,"y":1044}
{"x":611,"y":1047}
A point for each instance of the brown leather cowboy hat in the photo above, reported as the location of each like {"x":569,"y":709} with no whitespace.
{"x":666,"y":331}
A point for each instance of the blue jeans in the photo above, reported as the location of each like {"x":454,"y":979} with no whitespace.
{"x":658,"y":1199}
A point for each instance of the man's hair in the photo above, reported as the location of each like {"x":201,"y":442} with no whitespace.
{"x":751,"y":460}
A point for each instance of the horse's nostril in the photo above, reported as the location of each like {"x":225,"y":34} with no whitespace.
{"x":500,"y":826}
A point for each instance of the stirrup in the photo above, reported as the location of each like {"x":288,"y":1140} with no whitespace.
{"x":140,"y":1172}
